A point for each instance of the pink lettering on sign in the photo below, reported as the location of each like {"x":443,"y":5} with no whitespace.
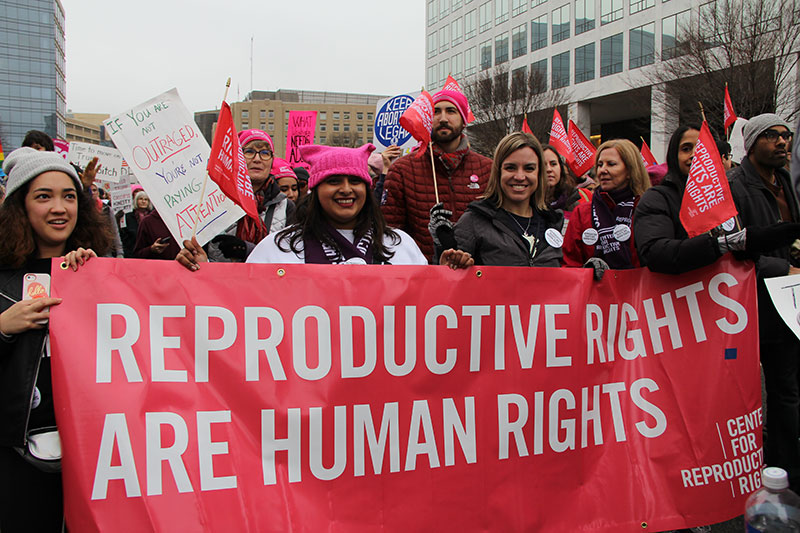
{"x":301,"y":131}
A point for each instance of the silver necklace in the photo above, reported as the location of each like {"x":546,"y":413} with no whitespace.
{"x":525,"y":235}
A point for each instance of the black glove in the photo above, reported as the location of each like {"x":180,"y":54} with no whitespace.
{"x":769,"y":238}
{"x":598,"y":265}
{"x":441,"y":228}
{"x":231,"y":247}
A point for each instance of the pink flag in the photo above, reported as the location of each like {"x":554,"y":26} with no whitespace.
{"x":582,"y":151}
{"x":302,"y":125}
{"x":707,"y":200}
{"x":558,"y":137}
{"x":730,"y":114}
{"x":647,"y":155}
{"x":226,"y":165}
{"x":418,"y":119}
{"x":452,"y":85}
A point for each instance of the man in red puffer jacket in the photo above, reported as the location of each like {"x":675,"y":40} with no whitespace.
{"x":461,"y":174}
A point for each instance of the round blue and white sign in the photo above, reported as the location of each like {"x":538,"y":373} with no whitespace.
{"x":387,"y":121}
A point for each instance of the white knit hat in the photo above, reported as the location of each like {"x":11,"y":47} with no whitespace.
{"x":24,"y":164}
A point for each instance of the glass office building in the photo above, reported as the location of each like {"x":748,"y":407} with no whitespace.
{"x":32,"y":74}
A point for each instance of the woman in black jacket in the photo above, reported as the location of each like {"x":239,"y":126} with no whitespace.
{"x":45,"y":215}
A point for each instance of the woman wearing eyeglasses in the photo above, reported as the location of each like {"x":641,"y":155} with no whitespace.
{"x":275,"y":210}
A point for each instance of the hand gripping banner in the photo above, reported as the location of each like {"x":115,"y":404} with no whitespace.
{"x":322,"y":398}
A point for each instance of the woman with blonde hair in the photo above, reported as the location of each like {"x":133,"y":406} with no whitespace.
{"x":600,"y":233}
{"x":512,"y":224}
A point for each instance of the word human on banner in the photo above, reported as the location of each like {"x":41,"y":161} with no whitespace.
{"x":109,"y":159}
{"x":302,"y":125}
{"x":386,"y":393}
{"x":707,"y":201}
{"x":168,"y":156}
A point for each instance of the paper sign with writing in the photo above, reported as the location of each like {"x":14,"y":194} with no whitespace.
{"x":109,"y":159}
{"x":387,"y":130}
{"x":168,"y":156}
{"x":301,"y":131}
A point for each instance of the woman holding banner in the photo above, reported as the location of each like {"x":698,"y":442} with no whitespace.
{"x":46,"y":215}
{"x":339,"y":222}
{"x":512,"y":225}
{"x":599,"y":234}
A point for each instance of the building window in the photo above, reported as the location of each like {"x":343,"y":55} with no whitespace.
{"x":370,"y":116}
{"x":539,"y":33}
{"x":470,"y":61}
{"x":456,"y":5}
{"x":538,"y":79}
{"x":346,"y":115}
{"x":642,"y":45}
{"x":470,"y":24}
{"x":271,"y":113}
{"x":360,"y":127}
{"x":560,"y":68}
{"x":263,"y":125}
{"x":347,"y":127}
{"x":444,"y":68}
{"x":369,"y":128}
{"x":286,"y":115}
{"x":486,"y":55}
{"x":444,"y":38}
{"x":432,"y":44}
{"x":323,"y":139}
{"x":640,"y":5}
{"x":519,"y":41}
{"x":672,"y":28}
{"x":584,"y":16}
{"x":518,"y":7}
{"x":245,"y":113}
{"x":432,"y":12}
{"x":336,"y":127}
{"x":537,"y":3}
{"x":432,"y":76}
{"x":444,"y":9}
{"x":610,"y":10}
{"x":500,"y":11}
{"x":245,"y":126}
{"x":611,"y":55}
{"x":518,"y":82}
{"x":336,"y":115}
{"x":486,"y":16}
{"x":560,"y":21}
{"x":455,"y":65}
{"x":360,"y":116}
{"x":322,"y":127}
{"x":455,"y":31}
{"x":263,"y":113}
{"x":584,"y":63}
{"x":501,"y":49}
{"x":271,"y":126}
{"x":323,"y":115}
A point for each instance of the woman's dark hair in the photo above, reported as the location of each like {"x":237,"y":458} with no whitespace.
{"x":40,"y":138}
{"x":566,"y":184}
{"x":311,"y":221}
{"x":18,"y":245}
{"x":673,"y":168}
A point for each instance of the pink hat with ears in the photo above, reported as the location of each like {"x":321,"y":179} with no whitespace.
{"x":329,"y":161}
{"x":248,"y":136}
{"x":456,"y":98}
{"x":282,"y":169}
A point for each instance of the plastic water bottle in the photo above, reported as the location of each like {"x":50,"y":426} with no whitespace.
{"x":774,"y":508}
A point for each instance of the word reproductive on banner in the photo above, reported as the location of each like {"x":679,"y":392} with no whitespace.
{"x":404,"y":398}
{"x":168,"y":155}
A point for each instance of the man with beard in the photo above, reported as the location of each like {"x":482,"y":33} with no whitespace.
{"x":766,"y":196}
{"x":461,"y":174}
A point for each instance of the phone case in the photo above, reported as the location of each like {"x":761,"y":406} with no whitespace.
{"x":35,"y":286}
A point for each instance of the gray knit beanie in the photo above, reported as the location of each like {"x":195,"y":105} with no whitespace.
{"x":758,"y":125}
{"x":24,"y":164}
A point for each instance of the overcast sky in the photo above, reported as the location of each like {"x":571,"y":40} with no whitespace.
{"x":120,"y":54}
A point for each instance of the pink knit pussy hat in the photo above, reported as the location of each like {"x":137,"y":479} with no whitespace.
{"x":455,"y":98}
{"x":248,"y":136}
{"x":327,"y":161}
{"x":282,"y":169}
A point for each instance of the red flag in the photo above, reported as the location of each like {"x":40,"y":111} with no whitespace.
{"x":558,"y":137}
{"x":707,"y":200}
{"x":582,"y":151}
{"x":226,"y":164}
{"x":525,"y":127}
{"x":647,"y":155}
{"x":730,"y":114}
{"x":418,"y":119}
{"x":452,"y":85}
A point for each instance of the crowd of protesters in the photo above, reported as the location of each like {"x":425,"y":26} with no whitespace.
{"x":524,"y":207}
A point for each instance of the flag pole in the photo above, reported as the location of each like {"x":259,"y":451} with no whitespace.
{"x":205,"y":179}
{"x":724,"y":106}
{"x":433,"y":166}
{"x":702,"y":111}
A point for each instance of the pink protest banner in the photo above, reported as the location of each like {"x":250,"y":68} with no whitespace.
{"x":404,"y":398}
{"x":302,"y":125}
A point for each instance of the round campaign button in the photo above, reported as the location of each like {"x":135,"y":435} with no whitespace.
{"x":729,"y":224}
{"x":553,"y":238}
{"x":37,"y":398}
{"x":622,"y":232}
{"x":590,"y":236}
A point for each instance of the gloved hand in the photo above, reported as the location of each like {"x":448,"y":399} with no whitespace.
{"x":598,"y":265}
{"x":441,"y":228}
{"x":231,"y":247}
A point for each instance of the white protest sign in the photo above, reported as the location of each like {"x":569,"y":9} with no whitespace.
{"x":110,"y":159}
{"x":785,"y":294}
{"x":166,"y":152}
{"x":387,"y":129}
{"x":736,"y":140}
{"x":119,"y":193}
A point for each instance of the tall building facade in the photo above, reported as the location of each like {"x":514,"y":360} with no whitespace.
{"x":602,"y":54}
{"x":343,"y":119}
{"x":32,"y":70}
